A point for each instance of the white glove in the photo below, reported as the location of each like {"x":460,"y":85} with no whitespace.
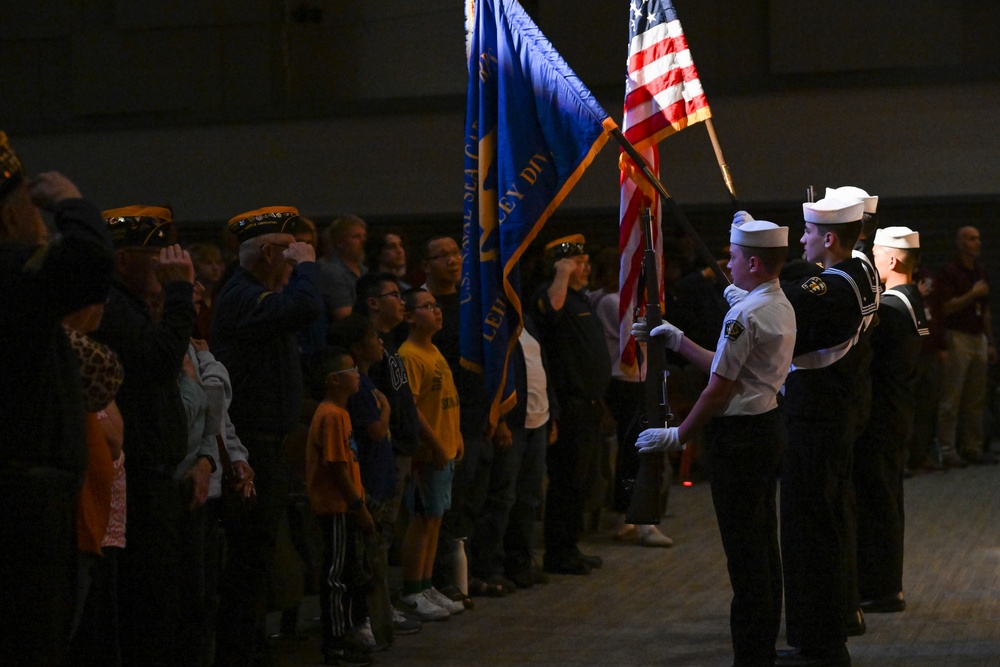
{"x":672,"y":336}
{"x":741,"y":217}
{"x":734,"y":295}
{"x":640,"y":331}
{"x":655,"y":440}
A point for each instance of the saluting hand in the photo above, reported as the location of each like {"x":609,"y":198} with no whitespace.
{"x":299,"y":252}
{"x":174,"y":265}
{"x":565,"y":266}
{"x":50,"y":187}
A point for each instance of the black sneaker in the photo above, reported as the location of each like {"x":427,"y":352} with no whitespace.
{"x":347,"y":651}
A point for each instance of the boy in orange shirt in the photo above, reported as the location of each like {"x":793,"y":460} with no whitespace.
{"x":333,"y":481}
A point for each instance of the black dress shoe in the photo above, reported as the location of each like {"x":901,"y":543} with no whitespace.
{"x":856,"y":625}
{"x":593,"y":562}
{"x":981,"y":459}
{"x":836,"y":657}
{"x":890,"y":604}
{"x":566,"y":565}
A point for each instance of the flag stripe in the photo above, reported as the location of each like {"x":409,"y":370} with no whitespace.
{"x":682,"y":79}
{"x":668,"y":105}
{"x":658,"y":33}
{"x":653,"y":130}
{"x":650,"y":47}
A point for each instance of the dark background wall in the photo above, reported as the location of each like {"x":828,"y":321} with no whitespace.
{"x":221,"y":106}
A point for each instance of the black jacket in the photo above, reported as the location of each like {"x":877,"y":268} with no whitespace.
{"x":149,"y":398}
{"x":40,"y":397}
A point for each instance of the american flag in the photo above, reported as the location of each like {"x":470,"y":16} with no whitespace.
{"x":662,"y":95}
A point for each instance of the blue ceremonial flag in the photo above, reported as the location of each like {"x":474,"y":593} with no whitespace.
{"x":531,"y":129}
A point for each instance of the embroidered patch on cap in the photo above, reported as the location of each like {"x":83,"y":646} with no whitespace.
{"x":815,"y":286}
{"x":734,"y":329}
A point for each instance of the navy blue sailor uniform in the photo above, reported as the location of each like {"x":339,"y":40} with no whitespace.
{"x":747,"y":438}
{"x":880,"y":451}
{"x":859,"y":358}
{"x":831,"y":307}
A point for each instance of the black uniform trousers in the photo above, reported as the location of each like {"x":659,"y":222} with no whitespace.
{"x":814,"y":542}
{"x":251,"y":545}
{"x":878,"y":480}
{"x":745,"y":454}
{"x":570,"y":462}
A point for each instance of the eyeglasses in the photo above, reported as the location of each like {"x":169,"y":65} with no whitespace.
{"x":446,"y":255}
{"x":280,"y":245}
{"x":394,"y":294}
{"x":432,"y":305}
{"x":352,"y":369}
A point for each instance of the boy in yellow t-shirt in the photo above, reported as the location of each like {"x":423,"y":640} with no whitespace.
{"x":429,"y":492}
{"x":333,"y":481}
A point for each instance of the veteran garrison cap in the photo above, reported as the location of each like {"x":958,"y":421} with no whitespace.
{"x":851,"y":192}
{"x":11,"y":170}
{"x":833,"y":211}
{"x":759,"y":234}
{"x":567,"y":246}
{"x":139,"y":226}
{"x":897,"y":237}
{"x":267,"y":220}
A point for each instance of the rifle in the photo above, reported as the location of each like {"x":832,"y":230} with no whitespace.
{"x":644,"y":507}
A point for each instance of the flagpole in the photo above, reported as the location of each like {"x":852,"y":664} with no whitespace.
{"x":726,"y":176}
{"x":699,"y":244}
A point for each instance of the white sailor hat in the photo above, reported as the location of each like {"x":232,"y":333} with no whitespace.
{"x":851,"y":192}
{"x":897,"y":237}
{"x":759,"y":234}
{"x":833,"y":211}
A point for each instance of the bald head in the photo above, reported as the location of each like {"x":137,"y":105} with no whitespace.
{"x":967,"y":240}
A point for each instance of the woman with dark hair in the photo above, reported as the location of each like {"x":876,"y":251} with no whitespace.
{"x":385,"y":251}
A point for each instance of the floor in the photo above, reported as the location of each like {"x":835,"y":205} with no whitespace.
{"x":652,"y":606}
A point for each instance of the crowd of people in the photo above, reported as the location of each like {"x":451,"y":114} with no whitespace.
{"x":185,"y":416}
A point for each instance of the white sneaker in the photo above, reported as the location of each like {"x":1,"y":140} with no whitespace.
{"x":440,"y":599}
{"x":365,"y":634}
{"x":418,"y":605}
{"x":650,"y":536}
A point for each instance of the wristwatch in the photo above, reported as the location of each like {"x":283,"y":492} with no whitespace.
{"x":211,"y":461}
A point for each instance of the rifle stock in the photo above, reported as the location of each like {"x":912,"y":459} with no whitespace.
{"x":644,"y":506}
